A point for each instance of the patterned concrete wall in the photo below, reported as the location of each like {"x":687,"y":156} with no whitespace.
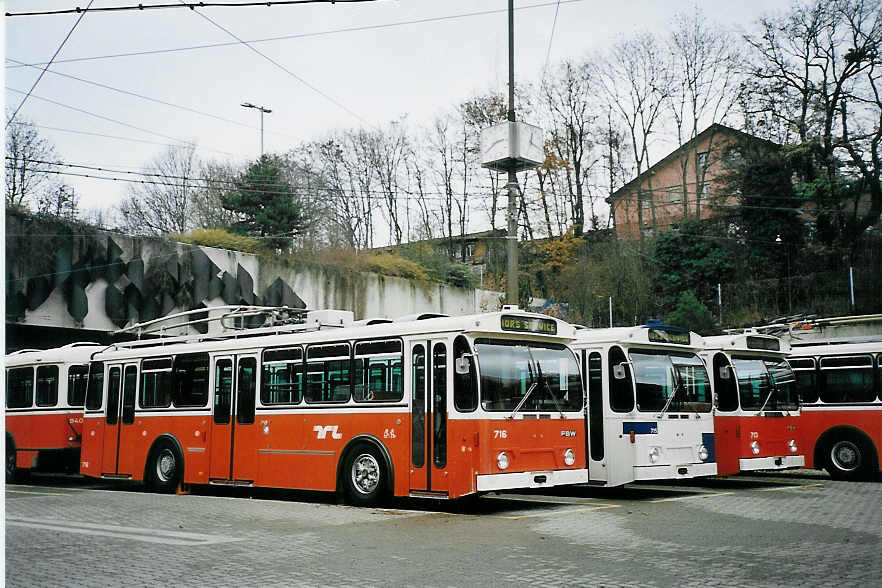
{"x":104,"y":281}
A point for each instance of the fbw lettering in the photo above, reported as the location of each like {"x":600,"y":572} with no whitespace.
{"x":322,"y":431}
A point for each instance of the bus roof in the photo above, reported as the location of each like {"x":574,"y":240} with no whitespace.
{"x":654,"y":334}
{"x":79,"y":352}
{"x":507,"y":323}
{"x":821,"y":349}
{"x":751,"y":342}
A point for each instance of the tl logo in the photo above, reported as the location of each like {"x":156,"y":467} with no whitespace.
{"x":322,"y":431}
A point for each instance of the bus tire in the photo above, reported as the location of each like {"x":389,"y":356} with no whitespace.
{"x":164,"y":468}
{"x":849,"y":457}
{"x":12,"y":472}
{"x":364,"y":475}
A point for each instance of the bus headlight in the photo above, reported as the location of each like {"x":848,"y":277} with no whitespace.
{"x":754,"y":447}
{"x":654,"y":454}
{"x":703,"y":453}
{"x":792,"y":445}
{"x":569,"y":457}
{"x":502,"y":460}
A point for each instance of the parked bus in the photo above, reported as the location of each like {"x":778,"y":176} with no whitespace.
{"x":840,"y":389}
{"x":440,"y":407}
{"x":45,"y":390}
{"x":756,"y":414}
{"x":649,"y":404}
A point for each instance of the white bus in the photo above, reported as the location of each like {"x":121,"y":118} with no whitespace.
{"x":649,"y":404}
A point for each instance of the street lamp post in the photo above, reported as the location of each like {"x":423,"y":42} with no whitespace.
{"x":262,"y":111}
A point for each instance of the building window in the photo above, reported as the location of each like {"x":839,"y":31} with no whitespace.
{"x":704,"y":189}
{"x":645,"y":202}
{"x":703,"y":161}
{"x":674,"y":194}
{"x":469,"y":251}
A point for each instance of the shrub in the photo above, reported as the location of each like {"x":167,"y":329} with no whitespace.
{"x":220,"y":239}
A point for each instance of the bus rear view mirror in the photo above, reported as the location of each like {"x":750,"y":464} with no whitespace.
{"x":462,"y":365}
{"x":619,"y":371}
{"x":725,"y":372}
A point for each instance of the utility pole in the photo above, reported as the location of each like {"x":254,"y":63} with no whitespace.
{"x":511,"y":147}
{"x":263,"y":111}
{"x":511,"y":274}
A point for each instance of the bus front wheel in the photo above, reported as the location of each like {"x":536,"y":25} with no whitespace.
{"x":364,"y":475}
{"x":164,"y":468}
{"x":848,"y":458}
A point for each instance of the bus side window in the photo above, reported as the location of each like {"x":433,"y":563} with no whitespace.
{"x":725,"y":384}
{"x":77,"y":379}
{"x":847,"y":379}
{"x":190,"y":380}
{"x":95,"y":386}
{"x":20,"y":387}
{"x":47,"y":385}
{"x":465,"y":386}
{"x":806,"y":379}
{"x":621,"y":390}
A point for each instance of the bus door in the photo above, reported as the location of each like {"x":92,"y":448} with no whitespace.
{"x":430,"y":372}
{"x":233,"y":441}
{"x":611,"y":457}
{"x":122,"y":384}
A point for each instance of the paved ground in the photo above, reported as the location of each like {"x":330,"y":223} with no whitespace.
{"x":761,"y":530}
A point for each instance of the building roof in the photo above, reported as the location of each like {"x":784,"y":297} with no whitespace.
{"x":712,"y":129}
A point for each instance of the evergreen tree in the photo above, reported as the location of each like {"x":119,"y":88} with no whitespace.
{"x":265,"y":204}
{"x":691,"y":314}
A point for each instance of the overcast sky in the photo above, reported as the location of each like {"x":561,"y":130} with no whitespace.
{"x":338,"y":78}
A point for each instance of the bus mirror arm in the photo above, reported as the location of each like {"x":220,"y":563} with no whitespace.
{"x":619,"y":372}
{"x":462,"y":365}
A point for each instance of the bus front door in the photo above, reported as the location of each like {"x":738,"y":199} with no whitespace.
{"x":233,"y":443}
{"x":430,"y":371}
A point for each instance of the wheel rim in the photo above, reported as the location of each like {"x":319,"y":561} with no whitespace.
{"x":846,"y":456}
{"x":165,"y":465}
{"x":365,"y":473}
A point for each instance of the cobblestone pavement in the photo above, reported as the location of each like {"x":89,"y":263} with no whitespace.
{"x":760,"y":530}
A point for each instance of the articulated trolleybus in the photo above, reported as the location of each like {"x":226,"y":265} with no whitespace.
{"x":440,"y":407}
{"x":44,"y":408}
{"x":649,"y":404}
{"x":840,"y":389}
{"x":756,"y":417}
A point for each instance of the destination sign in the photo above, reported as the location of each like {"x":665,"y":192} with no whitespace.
{"x":529,"y":324}
{"x":768,"y":343}
{"x":664,"y":336}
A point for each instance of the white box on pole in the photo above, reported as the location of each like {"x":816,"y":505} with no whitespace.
{"x":512,"y":145}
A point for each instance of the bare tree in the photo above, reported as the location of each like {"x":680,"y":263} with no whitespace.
{"x":27,"y":175}
{"x":568,"y":97}
{"x":819,"y":68}
{"x":636,"y":79}
{"x":164,"y":202}
{"x":62,"y":202}
{"x":217,"y":178}
{"x":707,"y":61}
{"x":387,"y":150}
{"x":478,"y":113}
{"x":443,"y":147}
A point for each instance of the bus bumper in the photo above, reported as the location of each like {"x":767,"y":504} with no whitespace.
{"x":546,"y":479}
{"x":771,"y":463}
{"x":673,"y":472}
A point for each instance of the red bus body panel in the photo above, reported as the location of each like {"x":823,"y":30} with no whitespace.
{"x":817,"y":419}
{"x":43,"y":431}
{"x":734,"y":434}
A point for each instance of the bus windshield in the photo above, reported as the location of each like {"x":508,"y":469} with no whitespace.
{"x":671,"y":381}
{"x":765,"y":384}
{"x":544,"y":372}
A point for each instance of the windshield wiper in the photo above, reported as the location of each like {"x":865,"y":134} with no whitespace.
{"x":677,"y":385}
{"x":772,"y":389}
{"x":551,"y":393}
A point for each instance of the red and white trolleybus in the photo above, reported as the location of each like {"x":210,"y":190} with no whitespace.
{"x":44,"y":408}
{"x":756,"y":414}
{"x":840,"y":389}
{"x":441,"y":407}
